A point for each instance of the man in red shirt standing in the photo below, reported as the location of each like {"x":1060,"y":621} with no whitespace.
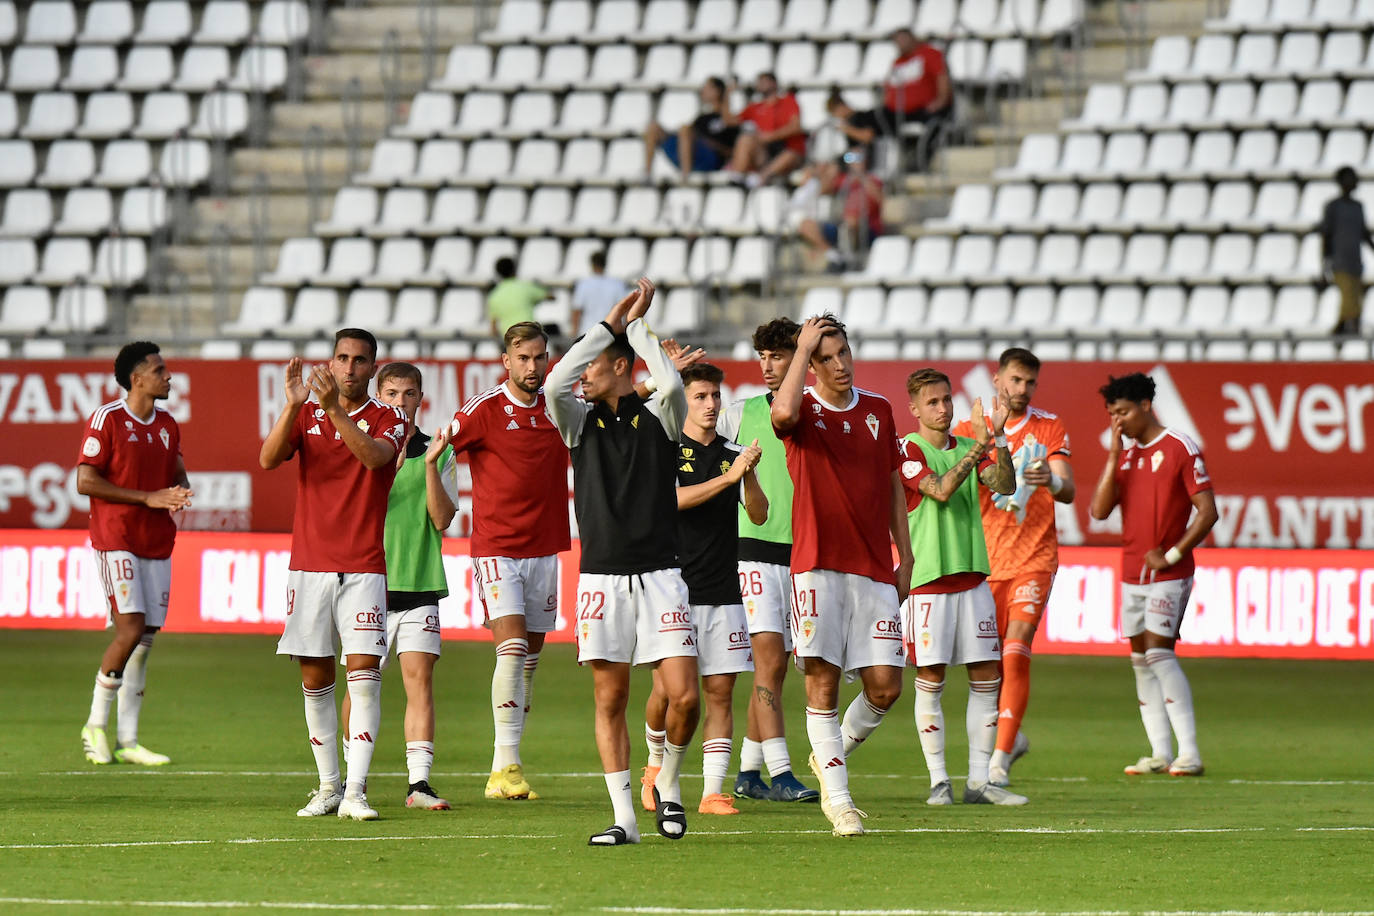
{"x":771,"y":142}
{"x":520,"y":524}
{"x":336,"y":584}
{"x":1158,"y":483}
{"x":843,"y":458}
{"x":131,"y":469}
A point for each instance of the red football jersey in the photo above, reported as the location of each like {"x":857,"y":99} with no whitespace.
{"x":138,"y":455}
{"x":519,"y":475}
{"x":841,"y":462}
{"x":773,"y":114}
{"x":340,"y":504}
{"x":1155,"y":485}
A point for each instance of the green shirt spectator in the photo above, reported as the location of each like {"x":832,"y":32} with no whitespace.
{"x":512,"y":301}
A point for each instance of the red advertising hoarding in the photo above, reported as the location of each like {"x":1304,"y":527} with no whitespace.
{"x":1286,"y":444}
{"x":1254,"y":603}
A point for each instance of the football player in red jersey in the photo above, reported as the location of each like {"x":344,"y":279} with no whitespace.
{"x":131,"y":469}
{"x":1158,"y":482}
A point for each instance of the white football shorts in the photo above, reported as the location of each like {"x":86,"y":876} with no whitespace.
{"x":323,"y":605}
{"x":526,"y":586}
{"x":135,"y":585}
{"x":722,"y":639}
{"x":766,"y":589}
{"x":957,"y":628}
{"x":640,"y":619}
{"x":848,"y":620}
{"x":414,"y":630}
{"x":1157,"y":607}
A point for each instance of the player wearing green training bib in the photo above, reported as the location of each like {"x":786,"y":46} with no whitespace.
{"x":419,"y":507}
{"x":949,"y":617}
{"x":765,"y":576}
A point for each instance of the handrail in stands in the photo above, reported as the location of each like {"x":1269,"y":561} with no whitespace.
{"x":351,"y":105}
{"x":312,"y":165}
{"x":389,"y":69}
{"x":259,"y":214}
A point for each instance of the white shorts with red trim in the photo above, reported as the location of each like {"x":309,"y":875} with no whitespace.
{"x":957,"y":628}
{"x":1155,"y":606}
{"x":723,"y":645}
{"x":848,"y":620}
{"x":766,"y":589}
{"x":527,"y":586}
{"x":639,"y":619}
{"x":413,"y":630}
{"x":321,"y":606}
{"x":135,"y":585}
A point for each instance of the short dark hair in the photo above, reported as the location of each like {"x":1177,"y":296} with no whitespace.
{"x":768,"y":73}
{"x":130,"y":357}
{"x":1136,"y":387}
{"x":923,"y":377}
{"x":598,"y":260}
{"x":522,"y":331}
{"x":778,"y":334}
{"x":834,"y":99}
{"x":1019,"y":355}
{"x":717,"y":84}
{"x":505,"y":268}
{"x":400,"y":370}
{"x":831,"y":317}
{"x":620,"y":347}
{"x":1346,"y":177}
{"x":702,"y":372}
{"x":902,"y":31}
{"x":356,"y":334}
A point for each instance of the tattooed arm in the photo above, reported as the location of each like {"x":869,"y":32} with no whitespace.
{"x":942,"y":486}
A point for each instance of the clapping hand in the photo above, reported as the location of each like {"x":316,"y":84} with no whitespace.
{"x":325,"y":386}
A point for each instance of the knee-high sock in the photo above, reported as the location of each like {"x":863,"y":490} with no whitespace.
{"x":654,"y":740}
{"x":1178,"y":698}
{"x":531,"y":665}
{"x":715,"y":761}
{"x":419,"y":760}
{"x":1150,"y":694}
{"x":930,"y":725}
{"x":364,"y":721}
{"x":102,"y":698}
{"x":322,"y":722}
{"x":751,"y":755}
{"x":827,"y":743}
{"x":667,"y":783}
{"x":1011,"y":705}
{"x":981,"y":722}
{"x":131,"y":692}
{"x":860,"y":720}
{"x":508,"y":701}
{"x":775,"y":754}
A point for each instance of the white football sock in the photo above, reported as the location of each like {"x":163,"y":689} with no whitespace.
{"x":715,"y":761}
{"x":106,"y":687}
{"x":1178,"y":699}
{"x":419,"y":760}
{"x":322,"y":722}
{"x":1000,"y":759}
{"x":827,"y":743}
{"x":654,"y":740}
{"x":365,"y":690}
{"x":508,"y":701}
{"x":531,"y":664}
{"x":1150,"y":694}
{"x":775,"y":753}
{"x":981,"y":722}
{"x":930,"y":725}
{"x":751,"y":755}
{"x":860,"y":719}
{"x":131,"y":692}
{"x":623,"y":802}
{"x":669,"y":789}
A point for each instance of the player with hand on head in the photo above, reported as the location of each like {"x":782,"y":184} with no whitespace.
{"x":347,"y":443}
{"x":131,"y":468}
{"x":714,"y":476}
{"x":419,"y":508}
{"x":520,"y":524}
{"x":950,"y":618}
{"x":843,"y":458}
{"x":765,"y":553}
{"x":1023,"y":544}
{"x":1158,"y":482}
{"x":633,"y":606}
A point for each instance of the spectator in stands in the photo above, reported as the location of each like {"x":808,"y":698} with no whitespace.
{"x":704,"y":145}
{"x":859,"y":198}
{"x":771,"y":142}
{"x":1344,"y":230}
{"x":918,"y":88}
{"x":512,"y":301}
{"x":594,"y":295}
{"x":862,"y":128}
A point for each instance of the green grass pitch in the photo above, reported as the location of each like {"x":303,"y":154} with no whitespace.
{"x":1282,"y":823}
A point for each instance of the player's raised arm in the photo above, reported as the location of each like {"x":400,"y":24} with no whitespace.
{"x":1001,"y":477}
{"x":278,"y":447}
{"x":787,"y":402}
{"x":373,"y":453}
{"x":681,"y":357}
{"x":438,"y":502}
{"x":669,"y":400}
{"x":1105,"y":496}
{"x":566,"y":409}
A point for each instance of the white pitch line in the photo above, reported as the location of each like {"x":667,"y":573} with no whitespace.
{"x":276,"y":905}
{"x":250,"y":841}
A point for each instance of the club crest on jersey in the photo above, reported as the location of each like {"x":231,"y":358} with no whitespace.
{"x":510,"y":410}
{"x":319,"y":413}
{"x":846,"y":427}
{"x":1155,"y":461}
{"x":363,"y":425}
{"x":725,"y":467}
{"x":871,"y":421}
{"x":165,"y":437}
{"x":688,"y":452}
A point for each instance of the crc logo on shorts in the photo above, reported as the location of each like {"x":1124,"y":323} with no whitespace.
{"x":808,"y":629}
{"x":889,"y":627}
{"x":91,"y":447}
{"x":739,"y":638}
{"x":681,"y":615}
{"x":1029,"y":593}
{"x":987,"y":628}
{"x":374,"y":616}
{"x":1162,"y":605}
